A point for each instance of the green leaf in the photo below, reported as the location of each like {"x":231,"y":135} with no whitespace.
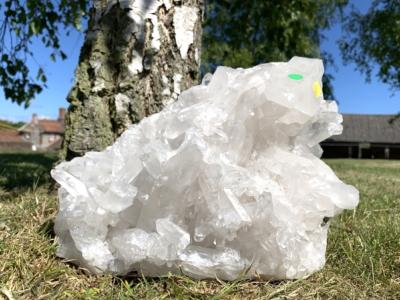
{"x":63,"y":55}
{"x":34,"y":27}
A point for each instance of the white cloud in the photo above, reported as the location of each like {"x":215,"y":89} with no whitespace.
{"x":44,"y":117}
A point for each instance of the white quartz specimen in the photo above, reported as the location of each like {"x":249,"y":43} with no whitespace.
{"x":225,"y":182}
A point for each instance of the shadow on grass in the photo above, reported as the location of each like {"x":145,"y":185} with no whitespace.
{"x":184,"y":287}
{"x":47,"y":229}
{"x":25,"y":170}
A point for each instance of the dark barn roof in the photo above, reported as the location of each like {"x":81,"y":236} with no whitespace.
{"x":369,"y":129}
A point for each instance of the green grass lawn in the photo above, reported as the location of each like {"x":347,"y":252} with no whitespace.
{"x":363,"y":256}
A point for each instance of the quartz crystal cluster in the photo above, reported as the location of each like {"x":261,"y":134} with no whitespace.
{"x":225,"y":182}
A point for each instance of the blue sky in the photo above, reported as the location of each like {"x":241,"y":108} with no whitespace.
{"x":355,"y":95}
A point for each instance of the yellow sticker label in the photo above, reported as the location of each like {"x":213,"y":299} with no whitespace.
{"x":317,"y":89}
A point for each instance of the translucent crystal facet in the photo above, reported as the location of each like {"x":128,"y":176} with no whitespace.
{"x":225,"y":182}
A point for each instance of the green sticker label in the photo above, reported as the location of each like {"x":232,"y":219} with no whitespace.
{"x":295,"y":76}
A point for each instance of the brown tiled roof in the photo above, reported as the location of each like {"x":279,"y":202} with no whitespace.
{"x":10,"y":136}
{"x":369,"y":129}
{"x":51,"y":126}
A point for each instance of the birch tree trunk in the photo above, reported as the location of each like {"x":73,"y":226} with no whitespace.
{"x":137,"y":57}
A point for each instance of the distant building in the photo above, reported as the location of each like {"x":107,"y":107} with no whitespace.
{"x":44,"y":133}
{"x":365,"y":136}
{"x":36,"y":135}
{"x":11,"y":140}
